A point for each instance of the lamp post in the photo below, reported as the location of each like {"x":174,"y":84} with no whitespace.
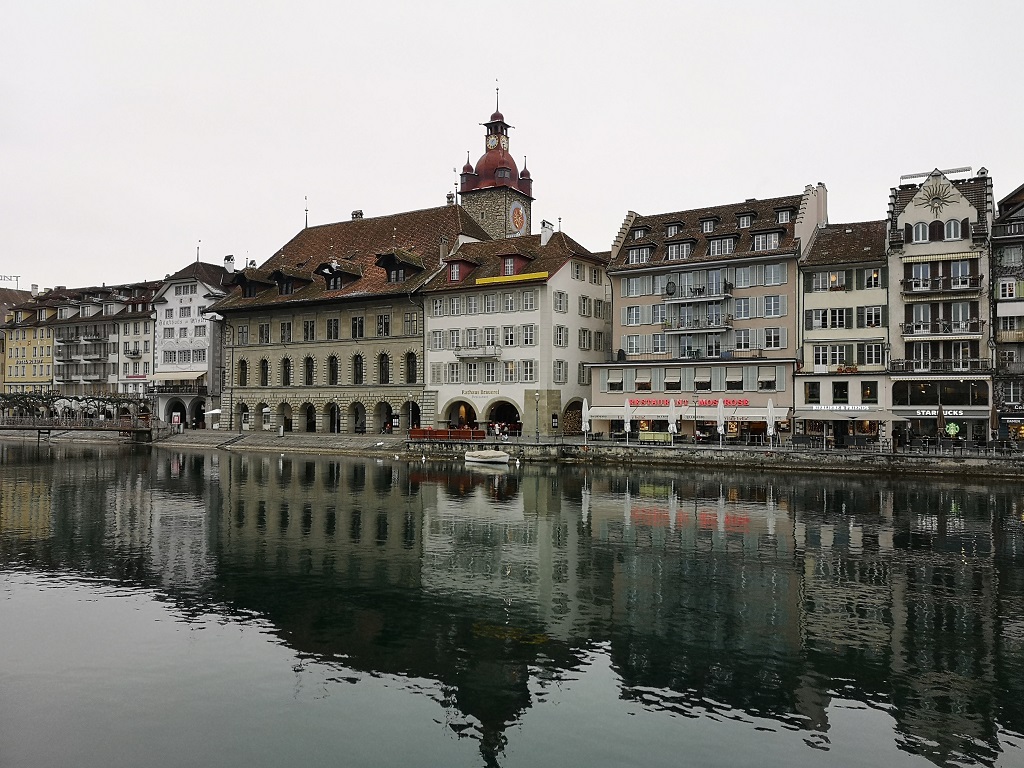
{"x":536,"y":413}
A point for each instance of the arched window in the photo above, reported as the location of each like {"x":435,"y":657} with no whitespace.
{"x":243,"y":373}
{"x":307,"y":377}
{"x":357,"y":369}
{"x":286,"y":372}
{"x":952,"y":229}
{"x":332,"y":371}
{"x":264,"y":373}
{"x":920,"y":232}
{"x":383,"y":369}
{"x":410,"y":368}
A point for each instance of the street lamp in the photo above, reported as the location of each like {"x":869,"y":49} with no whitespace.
{"x":536,"y":413}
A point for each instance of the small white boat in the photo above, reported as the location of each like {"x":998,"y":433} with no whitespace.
{"x":487,"y":457}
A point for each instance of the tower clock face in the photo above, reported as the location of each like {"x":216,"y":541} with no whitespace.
{"x":504,"y":143}
{"x":517,"y":218}
{"x":492,"y":142}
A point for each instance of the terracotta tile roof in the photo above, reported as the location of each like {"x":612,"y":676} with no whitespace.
{"x":975,"y":189}
{"x":415,"y":238}
{"x":847,"y":244}
{"x":489,"y":258}
{"x":726,"y":217}
{"x":211,"y":274}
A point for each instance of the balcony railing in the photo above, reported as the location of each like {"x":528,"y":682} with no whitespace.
{"x":713,"y":292}
{"x":946,"y":365}
{"x":489,"y":350}
{"x":134,"y":353}
{"x":706,"y":323}
{"x":1014,"y":367}
{"x":941,"y":284}
{"x":942,"y":327}
{"x":689,"y":354}
{"x":1010,"y":229}
{"x":1009,"y":337}
{"x":67,"y":339}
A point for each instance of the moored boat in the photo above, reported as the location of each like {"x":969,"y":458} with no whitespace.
{"x":487,"y":457}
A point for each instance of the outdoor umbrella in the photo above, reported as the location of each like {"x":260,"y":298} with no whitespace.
{"x":627,"y":414}
{"x":672,"y":416}
{"x":941,"y":422}
{"x":586,"y":420}
{"x":721,"y":421}
{"x":993,"y":423}
{"x":771,"y":422}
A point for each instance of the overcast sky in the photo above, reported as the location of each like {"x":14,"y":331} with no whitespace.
{"x":131,"y":131}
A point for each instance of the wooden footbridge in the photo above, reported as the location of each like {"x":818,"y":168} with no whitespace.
{"x":140,"y":430}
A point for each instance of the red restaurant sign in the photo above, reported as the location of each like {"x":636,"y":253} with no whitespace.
{"x":685,"y":403}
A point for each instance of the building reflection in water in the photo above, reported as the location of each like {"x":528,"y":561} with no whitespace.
{"x":760,"y":596}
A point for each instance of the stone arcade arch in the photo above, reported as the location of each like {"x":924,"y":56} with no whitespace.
{"x":410,"y":414}
{"x":308,"y":419}
{"x":505,"y":412}
{"x":332,"y":418}
{"x":382,"y":415}
{"x":460,"y":413}
{"x":357,"y":418}
{"x":572,"y":418}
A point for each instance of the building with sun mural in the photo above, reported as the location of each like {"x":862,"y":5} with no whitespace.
{"x":941,"y":360}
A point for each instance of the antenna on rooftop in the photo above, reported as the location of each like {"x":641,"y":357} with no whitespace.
{"x":947,"y":172}
{"x":306,"y":198}
{"x":496,"y":94}
{"x":197,"y":250}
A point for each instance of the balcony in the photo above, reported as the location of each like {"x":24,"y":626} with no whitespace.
{"x":133,"y":353}
{"x":1011,"y":368}
{"x":64,"y":355}
{"x":94,"y":336}
{"x":694,"y":293}
{"x":478,"y":353}
{"x":707,"y":323}
{"x":1009,"y":337}
{"x":67,"y":339}
{"x":944,"y":284}
{"x":951,"y":365}
{"x":943,"y":328}
{"x":689,"y":354}
{"x":1010,"y":229}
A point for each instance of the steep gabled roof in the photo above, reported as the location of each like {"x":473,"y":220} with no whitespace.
{"x":416,"y":238}
{"x":765,"y":219}
{"x":838,"y":244}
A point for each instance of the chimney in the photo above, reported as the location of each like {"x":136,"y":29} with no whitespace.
{"x":451,"y":198}
{"x":547,"y":229}
{"x":229,"y":264}
{"x":444,"y":248}
{"x":357,"y":215}
{"x":35,"y":290}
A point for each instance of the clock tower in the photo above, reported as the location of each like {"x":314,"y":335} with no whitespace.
{"x":494,"y":192}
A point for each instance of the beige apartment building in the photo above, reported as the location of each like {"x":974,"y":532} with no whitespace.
{"x":706,"y":320}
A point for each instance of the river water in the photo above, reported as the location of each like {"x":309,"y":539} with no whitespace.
{"x":164,"y":608}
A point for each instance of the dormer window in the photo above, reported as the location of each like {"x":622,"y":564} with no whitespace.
{"x":334,"y":282}
{"x":639,"y":233}
{"x":679,"y":251}
{"x":722,"y":247}
{"x":453,"y":273}
{"x":286,"y":287}
{"x":396,"y":275}
{"x":249,"y":290}
{"x":783,"y":217}
{"x":503,"y":173}
{"x":746,"y":220}
{"x":766,"y":242}
{"x":508,"y":266}
{"x":639,"y":255}
{"x":673,"y":229}
{"x":708,"y":225}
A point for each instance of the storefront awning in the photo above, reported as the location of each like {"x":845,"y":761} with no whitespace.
{"x":177,"y":376}
{"x":705,"y":413}
{"x":839,"y":412}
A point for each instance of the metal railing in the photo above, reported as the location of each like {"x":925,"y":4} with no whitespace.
{"x":944,"y":365}
{"x":941,"y":327}
{"x":941,"y":283}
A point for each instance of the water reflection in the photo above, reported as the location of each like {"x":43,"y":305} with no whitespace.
{"x":771,"y":597}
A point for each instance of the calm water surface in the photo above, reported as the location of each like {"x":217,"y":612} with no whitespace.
{"x":166,"y":609}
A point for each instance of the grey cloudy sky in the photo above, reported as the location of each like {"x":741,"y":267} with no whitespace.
{"x":130,"y":131}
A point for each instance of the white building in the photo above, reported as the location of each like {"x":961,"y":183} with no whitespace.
{"x":182,"y":348}
{"x":511,"y":326}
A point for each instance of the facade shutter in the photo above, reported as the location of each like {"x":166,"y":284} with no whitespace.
{"x":936,"y":231}
{"x":849,"y":279}
{"x":758,"y":275}
{"x":629,"y":380}
{"x":965,"y":228}
{"x":849,"y":353}
{"x":783,"y":305}
{"x":860,"y":279}
{"x":808,"y":319}
{"x":658,"y":379}
{"x":687,"y":384}
{"x":884,"y":276}
{"x":885,"y":316}
{"x":908,"y":314}
{"x":758,"y":306}
{"x":784,"y":337}
{"x":808,"y":280}
{"x":860,"y":317}
{"x":603,"y":380}
{"x":622,"y":343}
{"x":784,"y":269}
{"x":861,"y":353}
{"x":718,"y":379}
{"x":908,"y":233}
{"x":750,"y":378}
{"x":622,"y":316}
{"x":646,"y":314}
{"x":848,"y":319}
{"x":624,"y":284}
{"x":780,"y":378}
